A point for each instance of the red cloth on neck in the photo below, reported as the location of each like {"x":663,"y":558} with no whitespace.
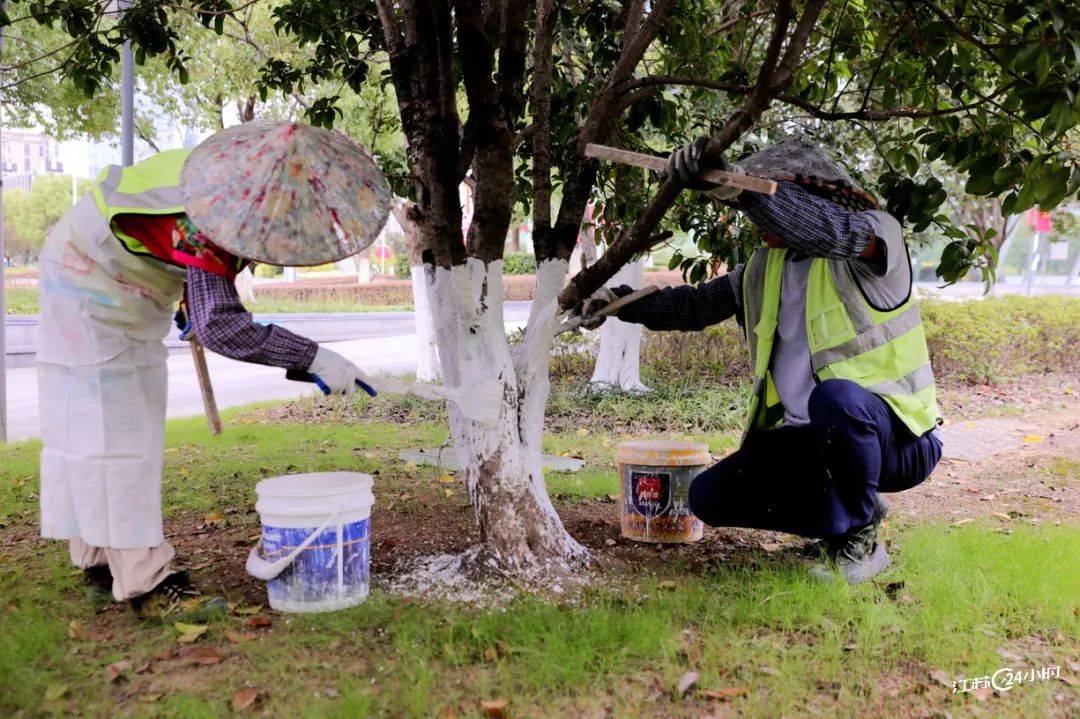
{"x":157,"y":235}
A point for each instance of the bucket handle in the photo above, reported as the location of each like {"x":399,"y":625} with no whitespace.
{"x":266,"y":570}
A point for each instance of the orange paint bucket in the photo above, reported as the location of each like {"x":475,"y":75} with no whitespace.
{"x":654,"y":479}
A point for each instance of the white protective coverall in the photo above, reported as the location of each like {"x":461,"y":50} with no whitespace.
{"x":102,"y":388}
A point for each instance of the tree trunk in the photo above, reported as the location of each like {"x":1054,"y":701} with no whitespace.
{"x":515,"y":237}
{"x":617,"y":361}
{"x":427,"y":353}
{"x":519,"y":528}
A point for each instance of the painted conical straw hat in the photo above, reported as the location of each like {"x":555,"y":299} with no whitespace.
{"x":801,"y":161}
{"x":285,"y":193}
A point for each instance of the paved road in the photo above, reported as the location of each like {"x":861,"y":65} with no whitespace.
{"x":239,"y":383}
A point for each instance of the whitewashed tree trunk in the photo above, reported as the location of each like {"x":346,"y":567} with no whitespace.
{"x":427,"y":347}
{"x":618,"y":364}
{"x":245,"y":286}
{"x":519,"y":528}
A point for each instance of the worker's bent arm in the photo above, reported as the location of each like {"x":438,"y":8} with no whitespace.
{"x":222,"y":325}
{"x":812,"y":225}
{"x":684,"y":307}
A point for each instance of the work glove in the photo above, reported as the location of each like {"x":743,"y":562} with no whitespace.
{"x":685,"y":164}
{"x":336,"y":375}
{"x":587,"y":308}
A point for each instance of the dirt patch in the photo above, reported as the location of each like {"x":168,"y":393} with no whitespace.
{"x":1030,"y":393}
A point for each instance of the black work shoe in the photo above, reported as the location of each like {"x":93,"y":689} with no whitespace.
{"x":175,"y":598}
{"x":856,"y":555}
{"x":829,"y":547}
{"x":98,"y":582}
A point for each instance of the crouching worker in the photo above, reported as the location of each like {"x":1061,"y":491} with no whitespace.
{"x":111,"y":271}
{"x":843,"y":405}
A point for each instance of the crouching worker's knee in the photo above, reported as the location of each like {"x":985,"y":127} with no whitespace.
{"x":835,"y":401}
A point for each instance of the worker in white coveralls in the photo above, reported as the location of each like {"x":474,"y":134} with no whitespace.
{"x":110,"y":273}
{"x":843,"y":406}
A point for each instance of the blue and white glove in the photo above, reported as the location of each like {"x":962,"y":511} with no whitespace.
{"x":336,"y":375}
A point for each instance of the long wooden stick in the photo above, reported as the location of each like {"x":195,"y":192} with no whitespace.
{"x":213,"y":417}
{"x":572,"y":323}
{"x":652,"y":162}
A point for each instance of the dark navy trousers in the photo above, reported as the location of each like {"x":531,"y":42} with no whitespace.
{"x":817,"y":480}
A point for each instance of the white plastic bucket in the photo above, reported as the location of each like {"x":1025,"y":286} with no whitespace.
{"x":315,"y":550}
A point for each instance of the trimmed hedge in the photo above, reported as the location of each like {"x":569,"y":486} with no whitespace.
{"x":1001,"y":338}
{"x":978,"y":341}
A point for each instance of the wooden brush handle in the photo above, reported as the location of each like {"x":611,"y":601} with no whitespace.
{"x":652,"y":162}
{"x":623,"y":301}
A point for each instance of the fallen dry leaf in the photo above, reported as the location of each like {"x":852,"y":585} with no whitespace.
{"x":76,"y":630}
{"x":214,"y":518}
{"x":245,"y":698}
{"x":961,"y":522}
{"x":687,"y":681}
{"x":115,"y":671}
{"x":204,"y":654}
{"x":1002,"y":516}
{"x":668,"y":584}
{"x":941,"y":677}
{"x":494,"y":707}
{"x":1032,"y":438}
{"x":190,"y":632}
{"x":240,"y":637}
{"x":726,"y":692}
{"x":766,"y":669}
{"x":246,"y":611}
{"x":258,"y":622}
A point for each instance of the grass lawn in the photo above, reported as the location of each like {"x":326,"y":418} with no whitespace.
{"x":961,"y":601}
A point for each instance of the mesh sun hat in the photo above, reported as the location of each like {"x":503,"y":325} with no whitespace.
{"x":801,"y":161}
{"x":285,"y":193}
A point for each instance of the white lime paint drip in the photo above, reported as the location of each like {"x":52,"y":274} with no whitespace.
{"x":618,"y":359}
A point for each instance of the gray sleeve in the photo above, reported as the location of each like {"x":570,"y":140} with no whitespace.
{"x":886,"y":281}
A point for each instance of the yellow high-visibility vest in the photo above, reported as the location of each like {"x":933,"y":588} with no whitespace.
{"x":883,"y":351}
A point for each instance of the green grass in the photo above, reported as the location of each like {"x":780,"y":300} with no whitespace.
{"x":956,"y":596}
{"x":20,"y":300}
{"x":968,"y":591}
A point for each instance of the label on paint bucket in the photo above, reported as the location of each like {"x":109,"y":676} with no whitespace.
{"x":332,"y":573}
{"x":650,"y":492}
{"x":655,"y":506}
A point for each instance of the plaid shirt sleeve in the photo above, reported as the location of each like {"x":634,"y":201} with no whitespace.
{"x":809,"y":224}
{"x":222,"y":325}
{"x":684,"y":307}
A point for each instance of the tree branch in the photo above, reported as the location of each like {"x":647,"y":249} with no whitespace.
{"x":541,"y":128}
{"x":640,"y":84}
{"x":581,"y":171}
{"x":775,"y":75}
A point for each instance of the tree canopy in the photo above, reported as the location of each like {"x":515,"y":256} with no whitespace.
{"x":913,"y":96}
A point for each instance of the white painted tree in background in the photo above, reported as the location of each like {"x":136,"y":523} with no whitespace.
{"x":618,"y":366}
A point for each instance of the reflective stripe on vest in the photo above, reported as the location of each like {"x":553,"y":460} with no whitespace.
{"x":882,"y":351}
{"x":150,"y":187}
